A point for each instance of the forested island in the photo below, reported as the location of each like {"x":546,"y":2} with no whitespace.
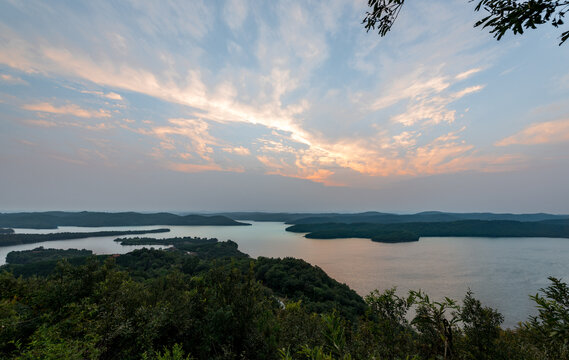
{"x":17,"y":239}
{"x":402,"y":232}
{"x":177,"y":241}
{"x":209,"y":303}
{"x":54,"y":219}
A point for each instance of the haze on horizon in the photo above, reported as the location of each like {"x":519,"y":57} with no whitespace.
{"x":279,"y":106}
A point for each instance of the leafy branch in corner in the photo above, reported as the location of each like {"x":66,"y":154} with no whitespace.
{"x":502,"y":15}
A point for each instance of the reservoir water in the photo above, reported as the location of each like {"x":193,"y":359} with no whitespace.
{"x":502,"y":272}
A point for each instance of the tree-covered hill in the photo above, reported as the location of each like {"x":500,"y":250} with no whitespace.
{"x":53,"y":219}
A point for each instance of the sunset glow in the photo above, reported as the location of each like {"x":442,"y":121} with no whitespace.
{"x":236,"y":94}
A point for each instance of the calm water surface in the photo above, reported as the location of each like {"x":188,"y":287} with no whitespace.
{"x":502,"y":272}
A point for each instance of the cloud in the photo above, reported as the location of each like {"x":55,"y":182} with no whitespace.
{"x":71,"y":109}
{"x":467,"y":74}
{"x":550,"y":132}
{"x":195,"y":134}
{"x":110,"y":95}
{"x":67,"y":159}
{"x":193,"y":168}
{"x":41,"y":123}
{"x":240,"y":150}
{"x":290,"y":61}
{"x":27,"y":142}
{"x":221,"y":107}
{"x":173,"y":18}
{"x":427,"y":93}
{"x":113,"y":96}
{"x":433,"y":109}
{"x":13,"y":80}
{"x":279,"y":166}
{"x":234,"y":13}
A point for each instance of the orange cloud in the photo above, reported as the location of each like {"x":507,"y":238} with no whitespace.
{"x":549,"y":132}
{"x":193,"y":168}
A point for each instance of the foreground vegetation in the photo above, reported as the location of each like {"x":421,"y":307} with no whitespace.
{"x":205,"y":304}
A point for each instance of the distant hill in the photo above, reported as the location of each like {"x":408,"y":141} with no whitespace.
{"x":386,"y":218}
{"x":263,"y":216}
{"x":53,"y":219}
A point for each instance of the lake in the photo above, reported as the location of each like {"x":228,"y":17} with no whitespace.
{"x":502,"y":272}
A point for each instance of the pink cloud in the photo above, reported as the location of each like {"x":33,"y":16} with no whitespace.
{"x":71,"y":109}
{"x":7,"y":78}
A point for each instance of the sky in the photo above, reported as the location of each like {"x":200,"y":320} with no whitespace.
{"x":205,"y":106}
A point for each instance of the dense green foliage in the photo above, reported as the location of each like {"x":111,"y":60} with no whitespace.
{"x":292,"y":279}
{"x":40,"y":254}
{"x":156,"y":304}
{"x":16,"y":239}
{"x":296,"y":280}
{"x":480,"y":228}
{"x":53,"y":219}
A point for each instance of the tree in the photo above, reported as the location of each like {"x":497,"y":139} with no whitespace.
{"x":481,"y":327}
{"x":501,"y":15}
{"x":550,"y":328}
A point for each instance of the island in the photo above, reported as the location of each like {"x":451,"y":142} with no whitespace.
{"x":405,"y":232}
{"x":201,"y":247}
